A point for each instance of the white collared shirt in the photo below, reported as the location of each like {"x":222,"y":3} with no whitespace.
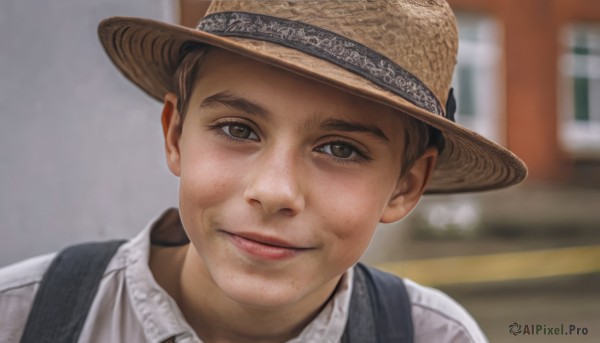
{"x":131,"y":307}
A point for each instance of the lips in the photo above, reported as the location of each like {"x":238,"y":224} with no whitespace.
{"x":273,"y":241}
{"x":264,"y":247}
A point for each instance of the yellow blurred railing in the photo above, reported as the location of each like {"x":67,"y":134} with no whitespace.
{"x":499,"y":267}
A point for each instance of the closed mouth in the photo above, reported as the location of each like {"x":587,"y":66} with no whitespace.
{"x":264,"y":248}
{"x":267,"y":240}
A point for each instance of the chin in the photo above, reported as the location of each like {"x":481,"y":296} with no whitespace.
{"x":257,"y":292}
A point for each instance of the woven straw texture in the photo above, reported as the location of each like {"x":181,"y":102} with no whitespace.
{"x":418,"y":35}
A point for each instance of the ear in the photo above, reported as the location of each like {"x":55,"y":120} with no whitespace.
{"x":171,"y":129}
{"x":410,"y":187}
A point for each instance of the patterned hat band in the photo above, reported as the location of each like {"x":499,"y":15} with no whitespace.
{"x":331,"y":47}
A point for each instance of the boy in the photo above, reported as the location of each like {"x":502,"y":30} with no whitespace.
{"x":294,"y":127}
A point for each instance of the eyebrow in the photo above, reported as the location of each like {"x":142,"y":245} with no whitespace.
{"x":235,"y":102}
{"x":238,"y":103}
{"x":346,"y":126}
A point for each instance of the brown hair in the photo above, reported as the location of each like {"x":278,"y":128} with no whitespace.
{"x":186,"y":76}
{"x":418,"y":136}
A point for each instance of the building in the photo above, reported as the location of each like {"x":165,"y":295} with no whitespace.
{"x":544,"y":104}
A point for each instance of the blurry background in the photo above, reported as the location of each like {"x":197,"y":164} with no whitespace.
{"x":81,"y":155}
{"x":81,"y":152}
{"x":528,"y":77}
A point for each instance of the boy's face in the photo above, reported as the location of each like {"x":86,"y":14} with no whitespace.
{"x":282,"y":179}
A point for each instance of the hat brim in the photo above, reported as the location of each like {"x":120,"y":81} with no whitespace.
{"x":148,"y":53}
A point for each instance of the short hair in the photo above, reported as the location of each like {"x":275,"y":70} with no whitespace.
{"x":418,"y":136}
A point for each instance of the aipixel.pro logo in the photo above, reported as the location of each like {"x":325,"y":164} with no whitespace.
{"x":515,"y":328}
{"x":546,"y":330}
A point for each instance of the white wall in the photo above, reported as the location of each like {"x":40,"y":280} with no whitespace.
{"x":81,"y":154}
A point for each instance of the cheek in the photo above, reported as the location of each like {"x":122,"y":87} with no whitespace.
{"x":355,"y":199}
{"x":352,"y":207}
{"x":209,"y":179}
{"x":354,"y":240}
{"x":208,"y":175}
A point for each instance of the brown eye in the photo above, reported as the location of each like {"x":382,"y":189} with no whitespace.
{"x":341,"y":150}
{"x":240,"y":131}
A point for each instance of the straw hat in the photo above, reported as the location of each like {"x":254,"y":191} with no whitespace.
{"x":400,"y":53}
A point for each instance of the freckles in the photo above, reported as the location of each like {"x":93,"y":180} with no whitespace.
{"x":206,"y":195}
{"x":351,"y":222}
{"x":208,"y":180}
{"x":356,"y":209}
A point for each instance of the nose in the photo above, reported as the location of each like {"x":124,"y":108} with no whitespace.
{"x":274,"y":183}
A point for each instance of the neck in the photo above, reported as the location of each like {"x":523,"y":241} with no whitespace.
{"x":218,"y":318}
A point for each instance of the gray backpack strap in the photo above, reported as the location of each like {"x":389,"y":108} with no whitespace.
{"x":380,"y":310}
{"x":66,"y":292}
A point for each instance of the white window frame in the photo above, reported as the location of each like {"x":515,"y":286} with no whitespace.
{"x":581,"y":138}
{"x":483,"y":55}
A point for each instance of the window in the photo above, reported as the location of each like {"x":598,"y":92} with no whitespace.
{"x":478,"y":98}
{"x":580,"y":89}
{"x":475,"y":81}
